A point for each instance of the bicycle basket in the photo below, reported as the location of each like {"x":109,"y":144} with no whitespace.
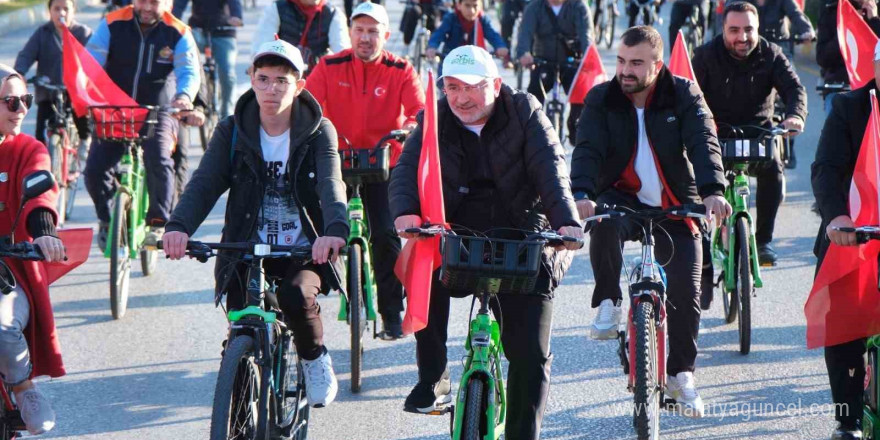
{"x":747,"y":150}
{"x":475,"y":263}
{"x":361,"y":165}
{"x":123,"y":123}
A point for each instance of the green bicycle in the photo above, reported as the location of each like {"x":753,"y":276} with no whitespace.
{"x":129,"y":126}
{"x":361,"y":166}
{"x":734,"y":249}
{"x":487,"y":267}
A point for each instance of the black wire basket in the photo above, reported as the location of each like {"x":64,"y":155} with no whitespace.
{"x":365,"y":165}
{"x":475,"y":264}
{"x":123,"y":123}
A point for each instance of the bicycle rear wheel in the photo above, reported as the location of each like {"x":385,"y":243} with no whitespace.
{"x":56,"y":146}
{"x":474,"y":423}
{"x":120,"y":258}
{"x":744,"y":285}
{"x":419,"y":57}
{"x":237,"y":393}
{"x":74,"y":169}
{"x":356,"y":313}
{"x":206,"y":130}
{"x":646,"y":414}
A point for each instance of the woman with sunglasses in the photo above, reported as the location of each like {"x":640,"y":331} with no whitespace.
{"x":28,"y":340}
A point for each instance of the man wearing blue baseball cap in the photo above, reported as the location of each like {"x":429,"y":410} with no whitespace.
{"x":504,"y":171}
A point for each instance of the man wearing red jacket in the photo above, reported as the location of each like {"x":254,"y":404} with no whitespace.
{"x":367,"y":92}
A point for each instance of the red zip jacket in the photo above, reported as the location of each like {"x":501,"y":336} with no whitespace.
{"x":366,"y":101}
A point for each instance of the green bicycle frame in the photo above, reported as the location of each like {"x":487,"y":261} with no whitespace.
{"x":483,"y":360}
{"x":738,"y":197}
{"x":132,"y":181}
{"x":360,"y":234}
{"x":871,"y":417}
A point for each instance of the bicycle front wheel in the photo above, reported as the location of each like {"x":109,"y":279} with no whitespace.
{"x":356,"y":314}
{"x":646,"y":414}
{"x":237,"y":393}
{"x":744,"y":285}
{"x":56,"y":146}
{"x":120,"y":258}
{"x":474,"y":411}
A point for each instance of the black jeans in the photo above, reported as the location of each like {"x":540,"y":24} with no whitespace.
{"x":412,"y":14}
{"x":846,"y":372}
{"x":296,"y":297}
{"x":542,"y":80}
{"x":683,"y":273}
{"x":770,"y":191}
{"x":510,"y":11}
{"x":386,"y":247}
{"x":526,"y":341}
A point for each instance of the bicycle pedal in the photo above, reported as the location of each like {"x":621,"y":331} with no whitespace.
{"x":442,"y":412}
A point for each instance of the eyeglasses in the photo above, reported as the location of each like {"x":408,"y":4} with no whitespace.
{"x":264,"y":83}
{"x":455,"y":90}
{"x":13,"y":103}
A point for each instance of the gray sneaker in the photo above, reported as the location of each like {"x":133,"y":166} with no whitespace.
{"x":36,"y":411}
{"x":607,"y":321}
{"x":151,"y":240}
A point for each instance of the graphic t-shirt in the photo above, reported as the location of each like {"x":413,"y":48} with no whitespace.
{"x":279,"y":221}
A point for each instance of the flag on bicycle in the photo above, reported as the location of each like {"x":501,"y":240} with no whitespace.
{"x":857,"y":43}
{"x":420,"y":258}
{"x":479,"y":37}
{"x":89,"y":85}
{"x":77,"y":244}
{"x":680,"y":60}
{"x":590,"y":73}
{"x":844,"y":303}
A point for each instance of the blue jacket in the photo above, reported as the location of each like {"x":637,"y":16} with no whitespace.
{"x":451,"y":34}
{"x":141,"y":63}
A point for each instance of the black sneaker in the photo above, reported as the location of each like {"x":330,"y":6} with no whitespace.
{"x":846,"y":433}
{"x":428,"y":398}
{"x":103,"y":232}
{"x":392,"y":327}
{"x":766,"y":255}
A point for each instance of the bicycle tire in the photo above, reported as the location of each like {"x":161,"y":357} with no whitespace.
{"x":744,"y":285}
{"x":293,"y":408}
{"x":120,"y":259}
{"x":56,"y":144}
{"x":355,"y":316}
{"x":474,"y":410}
{"x":421,"y":46}
{"x":206,"y":130}
{"x":74,"y":169}
{"x":302,"y":417}
{"x":149,"y":261}
{"x":646,"y":413}
{"x":730,"y":297}
{"x":230,"y":411}
{"x":612,"y":24}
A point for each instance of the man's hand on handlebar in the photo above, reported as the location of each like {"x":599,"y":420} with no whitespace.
{"x":841,"y":238}
{"x":430,"y":53}
{"x":572,"y":231}
{"x":235,"y":21}
{"x":174,"y":244}
{"x":404,"y":222}
{"x":793,"y":123}
{"x":326,"y":249}
{"x":193,"y":118}
{"x":52,"y":248}
{"x":586,"y":208}
{"x":502,"y":53}
{"x":527,"y":60}
{"x":182,"y":103}
{"x":718,"y":206}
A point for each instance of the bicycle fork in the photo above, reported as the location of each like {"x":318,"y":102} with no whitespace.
{"x":651,"y":287}
{"x":360,"y":234}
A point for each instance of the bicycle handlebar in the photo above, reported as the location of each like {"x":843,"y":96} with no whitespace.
{"x":778,"y":130}
{"x":604,"y":211}
{"x":44,"y":82}
{"x":864,"y":234}
{"x":24,"y":250}
{"x":203,"y":251}
{"x":550,"y":238}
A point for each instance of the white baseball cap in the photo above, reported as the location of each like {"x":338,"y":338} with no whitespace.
{"x":372,"y":10}
{"x":284,"y":50}
{"x":471,"y":64}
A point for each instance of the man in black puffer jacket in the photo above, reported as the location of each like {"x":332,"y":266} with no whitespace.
{"x":503,"y":167}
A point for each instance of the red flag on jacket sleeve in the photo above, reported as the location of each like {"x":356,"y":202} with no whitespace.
{"x":857,"y":43}
{"x":590,"y":73}
{"x":844,"y":304}
{"x":680,"y":60}
{"x":77,"y":243}
{"x":88,"y":85}
{"x":479,"y":37}
{"x":419,"y":258}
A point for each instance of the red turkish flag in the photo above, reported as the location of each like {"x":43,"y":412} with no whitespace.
{"x":420,"y":258}
{"x":844,"y":304}
{"x":77,"y":243}
{"x":680,"y":60}
{"x":590,"y":73}
{"x":857,"y":43}
{"x":479,"y":38}
{"x":88,"y":85}
{"x":800,"y":4}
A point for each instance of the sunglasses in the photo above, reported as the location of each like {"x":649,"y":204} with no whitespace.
{"x":13,"y":103}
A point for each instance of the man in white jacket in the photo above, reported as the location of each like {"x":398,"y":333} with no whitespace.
{"x":313,"y":26}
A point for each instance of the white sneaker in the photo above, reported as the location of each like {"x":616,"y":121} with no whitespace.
{"x":607,"y":321}
{"x":321,"y":383}
{"x":683,"y":390}
{"x":36,"y":411}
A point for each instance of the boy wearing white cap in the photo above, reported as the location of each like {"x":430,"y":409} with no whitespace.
{"x":503,"y":169}
{"x":277,"y":157}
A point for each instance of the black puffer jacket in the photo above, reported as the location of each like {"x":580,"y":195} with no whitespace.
{"x":527,"y":166}
{"x":827,"y":47}
{"x":773,"y":24}
{"x":743,"y":92}
{"x":234,"y":161}
{"x":680,"y":129}
{"x":836,"y":156}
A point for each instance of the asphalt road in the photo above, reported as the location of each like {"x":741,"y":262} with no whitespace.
{"x":151,"y":374}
